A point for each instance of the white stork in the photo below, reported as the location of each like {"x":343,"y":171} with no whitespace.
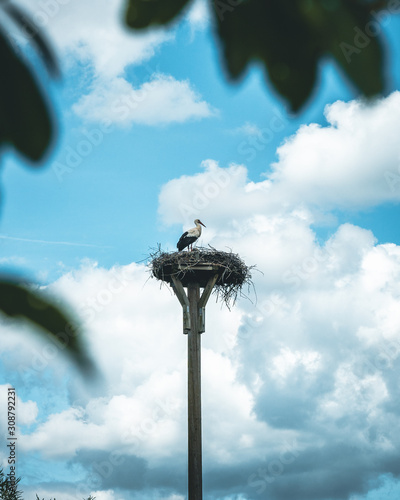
{"x":190,"y":236}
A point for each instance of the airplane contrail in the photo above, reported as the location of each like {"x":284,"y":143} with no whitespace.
{"x":68,"y":243}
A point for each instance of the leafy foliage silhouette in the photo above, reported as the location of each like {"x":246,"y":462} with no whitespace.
{"x":289,"y":38}
{"x":27,"y":126}
{"x":20,"y":302}
{"x":90,"y":497}
{"x":25,"y":118}
{"x":9,"y":489}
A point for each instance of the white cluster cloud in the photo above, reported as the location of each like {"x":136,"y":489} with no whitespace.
{"x":308,"y":370}
{"x":299,"y":386}
{"x":159,"y":101}
{"x":300,"y":389}
{"x":352,"y":162}
{"x":91,"y":33}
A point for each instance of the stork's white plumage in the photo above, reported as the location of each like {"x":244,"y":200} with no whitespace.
{"x":190,"y":236}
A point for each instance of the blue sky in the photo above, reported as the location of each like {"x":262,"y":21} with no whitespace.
{"x":300,"y":392}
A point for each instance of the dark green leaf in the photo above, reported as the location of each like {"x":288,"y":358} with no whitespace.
{"x":19,"y":302}
{"x":34,"y":33}
{"x":144,"y":13}
{"x":289,"y":38}
{"x":269,"y":32}
{"x":357,"y":48}
{"x":25,"y":121}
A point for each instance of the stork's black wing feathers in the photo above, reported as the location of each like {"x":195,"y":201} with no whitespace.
{"x":185,"y":241}
{"x":182,"y":243}
{"x":181,"y":239}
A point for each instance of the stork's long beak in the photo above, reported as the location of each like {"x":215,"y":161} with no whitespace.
{"x":202,"y":223}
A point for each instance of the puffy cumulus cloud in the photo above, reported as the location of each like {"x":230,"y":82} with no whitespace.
{"x":329,"y":366}
{"x":159,"y":101}
{"x":137,"y":419}
{"x":54,"y":437}
{"x":298,"y":182}
{"x":354,"y":161}
{"x":327,"y":370}
{"x":299,"y":387}
{"x":319,"y":352}
{"x":300,"y":390}
{"x":93,"y":32}
{"x":351,"y":162}
{"x":210,"y":194}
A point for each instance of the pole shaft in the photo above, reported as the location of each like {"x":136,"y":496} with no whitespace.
{"x":194,"y":396}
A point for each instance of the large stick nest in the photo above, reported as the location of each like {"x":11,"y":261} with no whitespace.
{"x":201,"y":264}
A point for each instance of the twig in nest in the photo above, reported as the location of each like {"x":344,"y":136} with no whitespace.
{"x":199,"y":265}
